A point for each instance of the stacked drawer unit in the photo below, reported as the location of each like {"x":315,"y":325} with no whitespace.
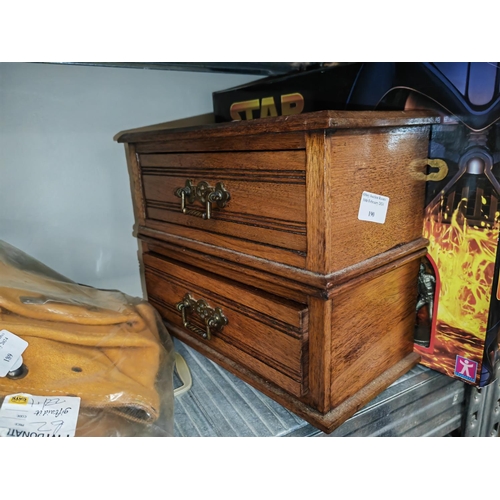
{"x":287,"y":249}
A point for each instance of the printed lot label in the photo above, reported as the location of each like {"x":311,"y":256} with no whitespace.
{"x":23,"y":415}
{"x":373,"y":207}
{"x":11,"y":348}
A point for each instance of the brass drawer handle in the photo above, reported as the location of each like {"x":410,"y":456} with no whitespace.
{"x":204,"y":193}
{"x":214,"y":319}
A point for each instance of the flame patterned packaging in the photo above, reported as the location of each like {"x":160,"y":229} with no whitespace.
{"x":457,"y":323}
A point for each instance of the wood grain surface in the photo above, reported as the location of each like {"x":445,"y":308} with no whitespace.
{"x":306,"y":121}
{"x":372,"y":329}
{"x":138,"y":199}
{"x":378,"y":162}
{"x":295,"y":207}
{"x":261,"y":326}
{"x":320,"y":303}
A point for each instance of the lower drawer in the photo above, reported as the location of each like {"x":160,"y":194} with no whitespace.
{"x":266,"y":334}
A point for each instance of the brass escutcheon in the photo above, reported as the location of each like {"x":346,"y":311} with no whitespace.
{"x":441,"y":165}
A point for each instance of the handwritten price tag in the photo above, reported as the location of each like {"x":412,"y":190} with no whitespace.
{"x":23,"y":415}
{"x":373,"y":207}
{"x":11,"y":348}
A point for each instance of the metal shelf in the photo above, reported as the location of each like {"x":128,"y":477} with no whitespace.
{"x":421,"y":403}
{"x":247,"y":68}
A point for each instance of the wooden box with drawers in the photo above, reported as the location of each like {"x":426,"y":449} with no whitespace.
{"x":287,"y":249}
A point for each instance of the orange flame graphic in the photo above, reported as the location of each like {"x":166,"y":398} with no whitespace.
{"x":464,"y":256}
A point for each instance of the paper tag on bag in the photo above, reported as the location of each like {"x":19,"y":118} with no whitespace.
{"x":24,"y":415}
{"x":11,"y":348}
{"x":373,"y":207}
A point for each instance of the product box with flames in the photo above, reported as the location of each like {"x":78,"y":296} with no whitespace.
{"x":458,"y":316}
{"x":457,"y":327}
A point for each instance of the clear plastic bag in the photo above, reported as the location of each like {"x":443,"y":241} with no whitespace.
{"x":108,"y":349}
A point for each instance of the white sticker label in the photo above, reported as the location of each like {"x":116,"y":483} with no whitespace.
{"x":23,"y":415}
{"x":11,"y":348}
{"x":373,"y":207}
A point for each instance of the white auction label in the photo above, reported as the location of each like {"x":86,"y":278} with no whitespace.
{"x":24,"y":415}
{"x":11,"y":348}
{"x":373,"y":207}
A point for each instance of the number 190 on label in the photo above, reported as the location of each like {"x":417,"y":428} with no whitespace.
{"x":373,"y":207}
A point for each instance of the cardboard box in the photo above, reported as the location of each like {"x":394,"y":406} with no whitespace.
{"x":458,"y":308}
{"x":298,"y":92}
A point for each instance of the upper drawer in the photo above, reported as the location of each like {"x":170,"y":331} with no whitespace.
{"x":253,"y":202}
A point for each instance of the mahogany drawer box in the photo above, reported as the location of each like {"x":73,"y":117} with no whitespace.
{"x":258,"y":248}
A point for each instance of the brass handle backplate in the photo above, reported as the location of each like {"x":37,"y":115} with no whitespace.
{"x":214,"y":319}
{"x":204,"y":193}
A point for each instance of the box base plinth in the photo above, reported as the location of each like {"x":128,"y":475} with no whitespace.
{"x":326,"y":422}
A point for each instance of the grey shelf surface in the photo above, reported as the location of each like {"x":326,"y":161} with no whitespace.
{"x":423,"y":402}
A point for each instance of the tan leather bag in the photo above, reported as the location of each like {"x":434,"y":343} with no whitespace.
{"x":103,"y":346}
